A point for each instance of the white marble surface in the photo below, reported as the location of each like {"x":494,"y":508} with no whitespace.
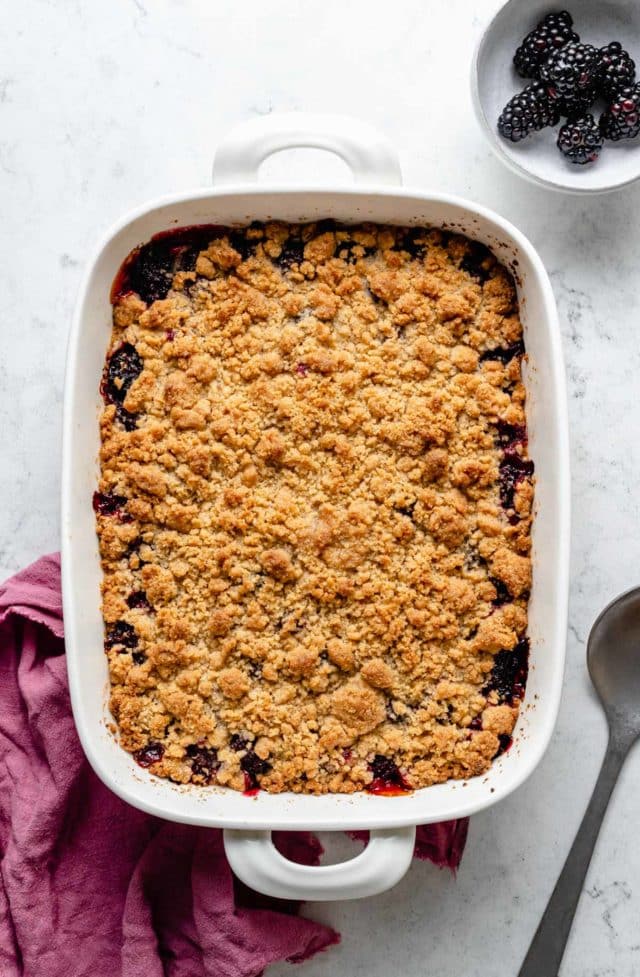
{"x":103,"y":105}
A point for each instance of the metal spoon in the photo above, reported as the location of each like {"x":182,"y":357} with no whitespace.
{"x":613,"y":659}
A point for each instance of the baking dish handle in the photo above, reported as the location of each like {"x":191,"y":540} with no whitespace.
{"x":257,"y":862}
{"x":366,"y":151}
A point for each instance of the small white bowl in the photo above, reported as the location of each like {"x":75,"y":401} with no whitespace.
{"x":494,"y":80}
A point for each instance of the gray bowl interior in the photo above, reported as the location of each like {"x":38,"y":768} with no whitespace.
{"x":597,"y":22}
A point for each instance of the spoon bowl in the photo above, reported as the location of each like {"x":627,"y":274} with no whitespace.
{"x":613,"y":659}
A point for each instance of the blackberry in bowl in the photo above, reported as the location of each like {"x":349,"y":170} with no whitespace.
{"x":621,"y":120}
{"x":571,"y":70}
{"x":584,"y":76}
{"x":617,"y":69}
{"x":551,"y":34}
{"x":580,"y":140}
{"x":528,"y":111}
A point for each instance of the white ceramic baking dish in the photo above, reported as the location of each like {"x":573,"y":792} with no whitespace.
{"x":248,"y":821}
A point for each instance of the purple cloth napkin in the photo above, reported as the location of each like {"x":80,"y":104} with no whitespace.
{"x":90,"y":887}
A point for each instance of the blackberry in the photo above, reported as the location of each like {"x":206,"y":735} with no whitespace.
{"x":571,"y":70}
{"x":617,"y":69}
{"x":529,"y":110}
{"x":549,"y":35}
{"x":579,"y":104}
{"x":580,"y":140}
{"x":622,"y":119}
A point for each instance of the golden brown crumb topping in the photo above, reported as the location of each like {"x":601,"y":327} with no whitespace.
{"x":314,"y":508}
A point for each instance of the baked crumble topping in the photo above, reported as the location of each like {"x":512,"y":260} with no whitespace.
{"x":314,"y":507}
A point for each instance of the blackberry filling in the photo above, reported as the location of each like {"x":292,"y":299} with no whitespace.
{"x":324,"y":226}
{"x":149,"y":754}
{"x":240,"y":243}
{"x":133,"y":548}
{"x":151,"y":272}
{"x":121,"y":634}
{"x":386,"y":776}
{"x":407,"y":241}
{"x":124,"y":366}
{"x":110,"y":504}
{"x":509,"y":673}
{"x":513,"y":470}
{"x":345,"y":250}
{"x":128,"y":420}
{"x":253,"y":767}
{"x":239,"y":742}
{"x":392,"y":715}
{"x":502,"y":593}
{"x":505,"y":743}
{"x":138,"y":598}
{"x":477,"y":262}
{"x":204,"y":761}
{"x":292,"y":253}
{"x":511,"y":435}
{"x":503,"y":354}
{"x":407,"y":510}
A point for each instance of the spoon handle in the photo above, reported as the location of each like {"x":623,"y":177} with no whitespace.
{"x":548,"y":945}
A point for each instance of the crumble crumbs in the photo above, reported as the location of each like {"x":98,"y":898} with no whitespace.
{"x":314,"y":508}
